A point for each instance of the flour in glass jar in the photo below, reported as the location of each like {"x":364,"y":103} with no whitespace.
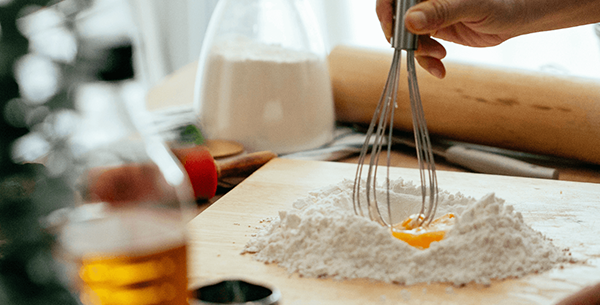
{"x":322,"y":237}
{"x":266,"y":97}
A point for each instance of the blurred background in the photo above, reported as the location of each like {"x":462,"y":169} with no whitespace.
{"x":171,"y":33}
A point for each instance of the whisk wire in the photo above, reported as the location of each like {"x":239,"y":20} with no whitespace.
{"x":424,"y":150}
{"x":384,"y":113}
{"x":376,"y":138}
{"x":379,"y":125}
{"x":393,"y":105}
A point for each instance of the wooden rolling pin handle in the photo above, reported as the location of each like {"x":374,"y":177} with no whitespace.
{"x":243,"y":165}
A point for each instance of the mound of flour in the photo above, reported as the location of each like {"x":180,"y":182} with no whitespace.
{"x":322,"y":237}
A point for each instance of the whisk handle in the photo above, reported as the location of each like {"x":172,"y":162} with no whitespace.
{"x":402,"y":38}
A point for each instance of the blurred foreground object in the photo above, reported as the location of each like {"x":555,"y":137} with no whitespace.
{"x":126,"y":239}
{"x":71,"y":106}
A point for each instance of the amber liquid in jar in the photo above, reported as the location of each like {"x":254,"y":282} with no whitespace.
{"x":129,"y":257}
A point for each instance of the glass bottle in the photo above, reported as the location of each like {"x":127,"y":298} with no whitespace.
{"x":127,"y":237}
{"x":262,"y":77}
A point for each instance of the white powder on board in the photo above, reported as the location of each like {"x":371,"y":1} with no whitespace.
{"x":266,"y":97}
{"x":322,"y":237}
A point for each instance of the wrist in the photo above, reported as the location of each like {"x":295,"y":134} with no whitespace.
{"x":546,"y":15}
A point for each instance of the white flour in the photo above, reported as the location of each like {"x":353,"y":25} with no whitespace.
{"x":321,"y":237}
{"x":265,"y":96}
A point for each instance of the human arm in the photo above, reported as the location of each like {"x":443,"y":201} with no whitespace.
{"x":483,"y":23}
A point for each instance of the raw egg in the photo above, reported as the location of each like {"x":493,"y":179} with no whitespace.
{"x":421,"y":237}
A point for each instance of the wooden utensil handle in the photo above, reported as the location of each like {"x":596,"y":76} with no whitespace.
{"x":513,"y":109}
{"x":243,"y":165}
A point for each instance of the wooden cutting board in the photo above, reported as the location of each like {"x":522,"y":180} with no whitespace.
{"x":566,"y":212}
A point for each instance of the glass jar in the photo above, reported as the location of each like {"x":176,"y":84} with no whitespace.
{"x":126,"y":240}
{"x":262,"y":77}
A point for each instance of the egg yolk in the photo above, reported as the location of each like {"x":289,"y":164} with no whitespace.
{"x":421,"y":237}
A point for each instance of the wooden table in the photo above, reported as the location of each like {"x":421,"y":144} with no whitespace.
{"x":566,"y":212}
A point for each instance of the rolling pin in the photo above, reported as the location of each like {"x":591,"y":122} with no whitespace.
{"x":513,"y":109}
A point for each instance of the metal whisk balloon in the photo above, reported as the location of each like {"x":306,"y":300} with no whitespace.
{"x":379,"y":133}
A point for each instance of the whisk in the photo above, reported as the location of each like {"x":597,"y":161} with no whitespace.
{"x":382,"y":123}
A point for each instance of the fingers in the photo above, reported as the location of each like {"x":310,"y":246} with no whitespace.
{"x":385,"y":14}
{"x":431,"y":48}
{"x":430,"y":16}
{"x":432,"y":65}
{"x":429,"y":55}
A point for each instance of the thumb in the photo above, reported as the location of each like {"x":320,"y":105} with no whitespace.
{"x":432,"y":15}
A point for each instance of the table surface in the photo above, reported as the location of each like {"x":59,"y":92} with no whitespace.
{"x":564,"y":211}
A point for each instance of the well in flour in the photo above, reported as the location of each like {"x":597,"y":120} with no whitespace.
{"x":322,"y":237}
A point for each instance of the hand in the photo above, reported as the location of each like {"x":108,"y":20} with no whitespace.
{"x":474,"y":23}
{"x":482,"y":23}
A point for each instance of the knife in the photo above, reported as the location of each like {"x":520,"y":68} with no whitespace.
{"x":480,"y":161}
